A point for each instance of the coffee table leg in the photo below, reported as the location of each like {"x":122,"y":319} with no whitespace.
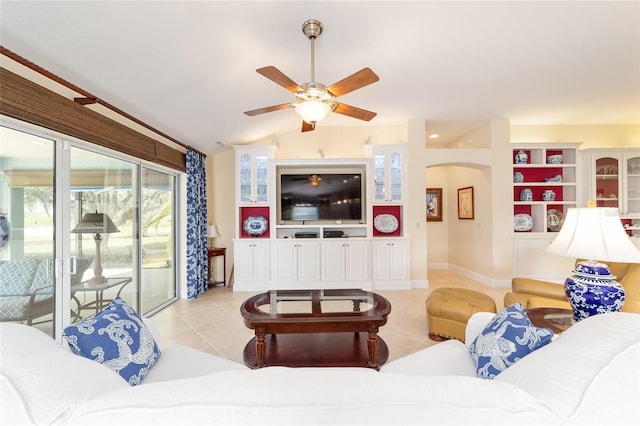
{"x":372,"y":345}
{"x":260,"y":346}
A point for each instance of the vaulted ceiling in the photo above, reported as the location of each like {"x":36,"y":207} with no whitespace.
{"x":187,"y":68}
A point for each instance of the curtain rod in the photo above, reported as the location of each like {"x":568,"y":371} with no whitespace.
{"x":87,"y":98}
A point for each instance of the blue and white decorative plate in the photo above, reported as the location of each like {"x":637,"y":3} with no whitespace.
{"x":522,"y":222}
{"x":255,"y":225}
{"x":385,"y":223}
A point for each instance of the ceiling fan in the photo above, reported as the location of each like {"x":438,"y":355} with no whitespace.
{"x":315,"y":100}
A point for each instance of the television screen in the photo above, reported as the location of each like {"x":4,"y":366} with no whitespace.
{"x":326,"y":196}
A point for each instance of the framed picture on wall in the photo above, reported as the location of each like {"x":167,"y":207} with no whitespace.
{"x":465,"y":203}
{"x":434,"y":204}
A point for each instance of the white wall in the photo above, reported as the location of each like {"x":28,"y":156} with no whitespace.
{"x":221,"y":200}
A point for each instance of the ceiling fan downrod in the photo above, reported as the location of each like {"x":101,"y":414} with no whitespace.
{"x":312,"y":29}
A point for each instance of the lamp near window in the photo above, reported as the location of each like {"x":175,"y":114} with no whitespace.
{"x":97,"y":224}
{"x":212,"y":233}
{"x":594,"y":233}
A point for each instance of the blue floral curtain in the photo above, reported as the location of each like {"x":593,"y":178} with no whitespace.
{"x":197,"y":267}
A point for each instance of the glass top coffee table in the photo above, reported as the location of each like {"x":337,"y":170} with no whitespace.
{"x":557,"y":319}
{"x":311,"y":328}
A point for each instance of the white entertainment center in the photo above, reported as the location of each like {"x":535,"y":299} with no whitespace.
{"x":351,"y":237}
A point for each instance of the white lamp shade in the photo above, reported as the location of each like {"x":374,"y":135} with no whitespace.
{"x":594,"y":233}
{"x":313,"y":112}
{"x":212,"y":232}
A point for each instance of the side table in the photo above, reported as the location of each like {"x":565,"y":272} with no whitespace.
{"x":215,"y":252}
{"x":557,"y":319}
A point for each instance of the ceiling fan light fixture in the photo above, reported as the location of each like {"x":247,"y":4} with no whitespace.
{"x":313,"y":112}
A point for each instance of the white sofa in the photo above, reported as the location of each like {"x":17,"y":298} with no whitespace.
{"x":588,"y":375}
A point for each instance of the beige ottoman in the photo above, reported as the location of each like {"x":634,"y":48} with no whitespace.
{"x":449,"y":309}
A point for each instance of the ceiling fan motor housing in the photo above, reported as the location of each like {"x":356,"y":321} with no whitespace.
{"x":312,"y":28}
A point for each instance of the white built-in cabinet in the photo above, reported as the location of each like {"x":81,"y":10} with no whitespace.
{"x":364,"y":257}
{"x":615,"y":182}
{"x":538,"y":219}
{"x":296,"y":260}
{"x":345,"y":260}
{"x":390,"y":259}
{"x":251,"y":262}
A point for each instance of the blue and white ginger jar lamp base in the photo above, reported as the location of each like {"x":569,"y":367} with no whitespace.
{"x":592,"y":290}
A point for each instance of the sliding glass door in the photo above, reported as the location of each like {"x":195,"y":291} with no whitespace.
{"x":103,"y":217}
{"x":157,"y":225}
{"x":79,"y":226}
{"x":27,"y":228}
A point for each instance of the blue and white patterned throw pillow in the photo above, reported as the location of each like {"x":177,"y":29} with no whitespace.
{"x":509,"y":337}
{"x":116,"y":338}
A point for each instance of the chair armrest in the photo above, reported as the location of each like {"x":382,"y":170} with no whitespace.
{"x":40,"y":292}
{"x":538,"y":288}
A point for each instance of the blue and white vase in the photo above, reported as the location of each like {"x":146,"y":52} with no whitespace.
{"x":592,"y":290}
{"x":521,"y":157}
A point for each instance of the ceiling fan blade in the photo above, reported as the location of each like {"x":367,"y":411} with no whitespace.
{"x":278,"y":77}
{"x":355,"y":81}
{"x":266,"y":109}
{"x":306,"y":127}
{"x":351,"y":111}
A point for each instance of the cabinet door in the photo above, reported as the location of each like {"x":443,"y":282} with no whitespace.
{"x":607,"y":180}
{"x":381,"y":262}
{"x":631,"y":183}
{"x":251,"y":260}
{"x":243,"y":261}
{"x":308,"y":261}
{"x":388,"y":168}
{"x":531,"y":260}
{"x":356,"y":261}
{"x":333,"y":261}
{"x":296,"y":261}
{"x":253,"y":176}
{"x":398,"y":254}
{"x":285,"y":263}
{"x":261,"y":265}
{"x":390,"y":260}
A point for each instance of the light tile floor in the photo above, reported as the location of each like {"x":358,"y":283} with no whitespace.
{"x":213,"y":323}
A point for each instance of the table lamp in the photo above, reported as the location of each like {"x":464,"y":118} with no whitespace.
{"x":594,"y":233}
{"x":97,"y":224}
{"x":212,"y":233}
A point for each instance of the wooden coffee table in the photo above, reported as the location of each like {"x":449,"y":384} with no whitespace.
{"x":311,"y":328}
{"x":557,"y":319}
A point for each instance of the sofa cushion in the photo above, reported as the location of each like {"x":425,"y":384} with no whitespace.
{"x":507,"y":338}
{"x":450,"y":357}
{"x":592,"y":364}
{"x":118,"y":338}
{"x":40,"y":382}
{"x":182,"y":362}
{"x":17,"y":275}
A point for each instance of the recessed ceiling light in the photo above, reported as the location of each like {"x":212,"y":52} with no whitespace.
{"x":433,"y":135}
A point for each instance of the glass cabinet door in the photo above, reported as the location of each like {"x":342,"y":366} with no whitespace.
{"x":253,"y":174}
{"x":395,"y":168}
{"x":632,"y":186}
{"x":261,"y":166}
{"x":379,"y":168}
{"x":245,"y":167}
{"x":387,"y":169}
{"x":607,"y":182}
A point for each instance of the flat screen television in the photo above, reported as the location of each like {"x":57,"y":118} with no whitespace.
{"x":321,"y":196}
